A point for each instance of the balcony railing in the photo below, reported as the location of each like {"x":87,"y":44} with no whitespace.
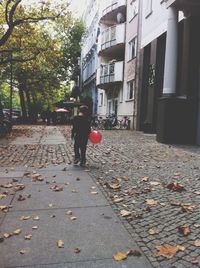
{"x":113,"y":6}
{"x":112,"y":36}
{"x":110,"y":73}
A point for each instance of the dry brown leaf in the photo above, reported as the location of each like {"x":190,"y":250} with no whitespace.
{"x":145,"y":179}
{"x":168,"y":251}
{"x":60,"y":243}
{"x":19,"y":187}
{"x":175,"y":186}
{"x":4,"y":208}
{"x":8,"y":185}
{"x":134,"y":252}
{"x":197,"y":243}
{"x":185,"y":230}
{"x":77,"y":250}
{"x":35,"y":227}
{"x":113,"y":186}
{"x":69,"y":212}
{"x":187,"y":207}
{"x":194,"y":260}
{"x":152,"y":231}
{"x":196,"y":225}
{"x":119,"y":256}
{"x":6,"y":235}
{"x":151,"y":202}
{"x":125,"y":213}
{"x":56,"y":188}
{"x":35,"y":176}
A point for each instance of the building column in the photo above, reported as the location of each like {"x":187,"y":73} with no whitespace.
{"x":169,"y":86}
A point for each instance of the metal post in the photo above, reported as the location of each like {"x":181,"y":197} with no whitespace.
{"x":11,"y":85}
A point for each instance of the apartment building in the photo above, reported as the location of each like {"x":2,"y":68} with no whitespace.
{"x":117,"y":46}
{"x":170,"y":72}
{"x":89,"y":55}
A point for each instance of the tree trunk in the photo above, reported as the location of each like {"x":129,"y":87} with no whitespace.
{"x":23,"y":106}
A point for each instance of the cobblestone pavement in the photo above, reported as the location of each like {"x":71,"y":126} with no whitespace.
{"x":154,"y":188}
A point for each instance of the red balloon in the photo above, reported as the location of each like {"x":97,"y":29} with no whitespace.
{"x":95,"y":136}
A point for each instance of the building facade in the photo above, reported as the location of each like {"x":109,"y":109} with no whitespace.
{"x":117,"y":51}
{"x":89,"y":56}
{"x":169,"y":77}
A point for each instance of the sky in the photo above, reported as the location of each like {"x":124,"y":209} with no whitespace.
{"x":77,"y":7}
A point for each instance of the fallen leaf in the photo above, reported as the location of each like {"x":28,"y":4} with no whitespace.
{"x":24,"y":251}
{"x":6,"y":235}
{"x":168,"y":251}
{"x":73,"y":218}
{"x":175,"y":186}
{"x":125,"y":213}
{"x":28,"y":237}
{"x":197,"y":243}
{"x":194,"y":260}
{"x":118,"y":199}
{"x":19,"y":187}
{"x":151,"y":202}
{"x":119,"y":256}
{"x":94,"y":193}
{"x":36,"y":218}
{"x":69,"y":212}
{"x":196,"y":225}
{"x":21,"y":198}
{"x":134,"y":252}
{"x":2,"y":196}
{"x":152,"y":231}
{"x":77,"y":250}
{"x":35,"y":227}
{"x":197,"y":193}
{"x":4,"y":208}
{"x":8,"y":185}
{"x":17,"y":231}
{"x":145,"y":179}
{"x":185,"y":230}
{"x":154,"y":183}
{"x":56,"y":188}
{"x":60,"y":243}
{"x":24,"y":218}
{"x":187,"y":207}
{"x":50,"y":205}
{"x":35,"y":176}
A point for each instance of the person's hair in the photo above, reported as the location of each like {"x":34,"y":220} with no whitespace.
{"x":83,"y":109}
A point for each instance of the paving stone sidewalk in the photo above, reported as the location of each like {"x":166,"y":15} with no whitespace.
{"x":44,"y":199}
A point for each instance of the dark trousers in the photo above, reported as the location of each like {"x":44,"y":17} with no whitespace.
{"x":80,"y":150}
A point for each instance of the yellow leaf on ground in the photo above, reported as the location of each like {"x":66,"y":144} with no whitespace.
{"x":125,"y":213}
{"x":60,"y":243}
{"x":119,"y":256}
{"x":152,"y":231}
{"x":28,"y":237}
{"x":24,"y":218}
{"x":16,"y":232}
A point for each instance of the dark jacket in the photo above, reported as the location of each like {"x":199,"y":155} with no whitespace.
{"x":81,"y":128}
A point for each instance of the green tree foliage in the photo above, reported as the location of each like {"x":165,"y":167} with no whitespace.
{"x":43,"y":55}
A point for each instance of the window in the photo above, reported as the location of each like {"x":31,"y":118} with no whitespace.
{"x":130,"y":90}
{"x":132,"y":49}
{"x":133,"y":9}
{"x":101,"y":99}
{"x":148,"y":9}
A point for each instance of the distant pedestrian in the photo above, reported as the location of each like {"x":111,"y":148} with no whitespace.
{"x":80,"y":134}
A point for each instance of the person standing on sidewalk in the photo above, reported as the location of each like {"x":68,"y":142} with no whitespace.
{"x":80,"y":133}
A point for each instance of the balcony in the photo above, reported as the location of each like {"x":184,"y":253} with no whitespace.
{"x":112,"y":40}
{"x":109,"y":75}
{"x":111,"y":10}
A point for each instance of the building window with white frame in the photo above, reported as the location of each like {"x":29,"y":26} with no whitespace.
{"x":130,"y":90}
{"x":133,"y":9}
{"x":148,"y":9}
{"x":132,"y":49}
